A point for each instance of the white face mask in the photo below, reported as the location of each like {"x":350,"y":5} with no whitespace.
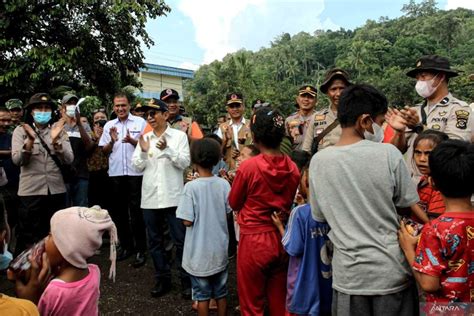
{"x":425,"y":88}
{"x":71,"y":110}
{"x":378,"y":134}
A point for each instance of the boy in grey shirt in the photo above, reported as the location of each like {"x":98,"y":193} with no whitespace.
{"x":357,"y":186}
{"x":203,"y":207}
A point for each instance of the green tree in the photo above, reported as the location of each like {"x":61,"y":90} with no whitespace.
{"x":91,"y":46}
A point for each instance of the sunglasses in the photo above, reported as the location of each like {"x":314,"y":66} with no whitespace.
{"x":234,"y":105}
{"x":151,"y":113}
{"x":102,"y":110}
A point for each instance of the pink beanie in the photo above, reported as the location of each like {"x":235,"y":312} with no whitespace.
{"x":77,"y":233}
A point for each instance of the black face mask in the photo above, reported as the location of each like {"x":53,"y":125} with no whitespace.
{"x":101,"y":123}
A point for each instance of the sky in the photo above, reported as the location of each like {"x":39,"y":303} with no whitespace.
{"x":197,"y":32}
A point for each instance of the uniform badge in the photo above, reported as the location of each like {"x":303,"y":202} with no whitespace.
{"x":436,"y":127}
{"x":418,"y":64}
{"x":43,"y":98}
{"x":461,"y":119}
{"x":442,"y":113}
{"x":321,"y":117}
{"x":168,"y":91}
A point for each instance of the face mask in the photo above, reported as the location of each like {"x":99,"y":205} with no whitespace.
{"x":42,"y":117}
{"x":5,"y":258}
{"x":378,"y":134}
{"x":425,"y":88}
{"x":71,"y":110}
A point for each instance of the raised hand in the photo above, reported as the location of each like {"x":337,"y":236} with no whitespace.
{"x":128,"y":138}
{"x":144,"y":143}
{"x":396,"y":120}
{"x":411,"y":116}
{"x":37,"y":282}
{"x":113,"y":134}
{"x":57,"y":129}
{"x":30,"y":133}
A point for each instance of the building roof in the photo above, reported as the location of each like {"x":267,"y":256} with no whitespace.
{"x":167,"y":70}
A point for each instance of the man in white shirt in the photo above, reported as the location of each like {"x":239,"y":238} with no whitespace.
{"x":118,"y":140}
{"x":162,"y":155}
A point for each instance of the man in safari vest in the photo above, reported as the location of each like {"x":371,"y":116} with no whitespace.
{"x":235,"y":133}
{"x":178,"y":121}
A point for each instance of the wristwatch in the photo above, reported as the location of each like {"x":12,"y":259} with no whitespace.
{"x":418,"y":128}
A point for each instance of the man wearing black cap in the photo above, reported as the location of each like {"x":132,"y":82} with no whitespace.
{"x":324,"y":127}
{"x":235,"y":133}
{"x":176,"y":120}
{"x":297,"y":123}
{"x":439,"y":111}
{"x":162,"y":155}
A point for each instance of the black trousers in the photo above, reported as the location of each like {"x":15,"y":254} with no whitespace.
{"x":126,"y":212}
{"x":99,"y":193}
{"x":34,"y":217}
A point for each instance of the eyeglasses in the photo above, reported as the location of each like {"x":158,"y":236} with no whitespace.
{"x":102,"y":110}
{"x":234,"y":105}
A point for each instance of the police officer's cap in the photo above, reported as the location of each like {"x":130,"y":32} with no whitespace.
{"x":307,"y":89}
{"x":169,"y":94}
{"x":234,"y":98}
{"x":155,"y":104}
{"x":333,"y":74}
{"x":432,"y":63}
{"x":14,"y":104}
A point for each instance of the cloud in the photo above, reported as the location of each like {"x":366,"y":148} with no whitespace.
{"x":454,"y":4}
{"x":224,"y":26}
{"x":189,"y":65}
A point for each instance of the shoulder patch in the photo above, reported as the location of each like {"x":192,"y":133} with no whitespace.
{"x":461,"y":118}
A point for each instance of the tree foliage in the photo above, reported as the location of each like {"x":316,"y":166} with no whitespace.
{"x":379,"y":53}
{"x":90,"y":46}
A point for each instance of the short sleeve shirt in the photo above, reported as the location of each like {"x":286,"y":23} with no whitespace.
{"x":446,"y":250}
{"x":120,"y":159}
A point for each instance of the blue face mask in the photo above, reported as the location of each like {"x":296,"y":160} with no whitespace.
{"x":42,"y":117}
{"x":5,"y":258}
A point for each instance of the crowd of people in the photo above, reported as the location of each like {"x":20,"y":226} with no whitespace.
{"x":356,"y":209}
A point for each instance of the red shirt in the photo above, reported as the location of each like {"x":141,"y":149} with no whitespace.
{"x":446,"y":250}
{"x":431,"y":200}
{"x":263,"y":184}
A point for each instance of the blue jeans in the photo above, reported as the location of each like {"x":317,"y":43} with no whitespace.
{"x":213,"y":286}
{"x":77,"y":192}
{"x":154,"y":219}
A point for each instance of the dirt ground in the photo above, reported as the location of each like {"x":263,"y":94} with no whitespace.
{"x":130,"y":294}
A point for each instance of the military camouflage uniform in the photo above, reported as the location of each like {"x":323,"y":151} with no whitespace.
{"x":320,"y":121}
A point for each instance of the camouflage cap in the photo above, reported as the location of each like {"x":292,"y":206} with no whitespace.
{"x":14,"y":104}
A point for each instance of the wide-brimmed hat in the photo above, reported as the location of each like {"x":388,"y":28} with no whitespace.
{"x":332,"y":74}
{"x":40,"y":98}
{"x":432,"y":63}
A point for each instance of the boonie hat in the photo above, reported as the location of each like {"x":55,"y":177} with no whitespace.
{"x":41,"y":98}
{"x":432,"y":63}
{"x":331,"y":75}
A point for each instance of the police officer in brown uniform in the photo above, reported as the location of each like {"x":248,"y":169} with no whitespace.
{"x":439,"y":111}
{"x":176,"y":120}
{"x":235,"y":133}
{"x":324,"y":123}
{"x":297,"y":123}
